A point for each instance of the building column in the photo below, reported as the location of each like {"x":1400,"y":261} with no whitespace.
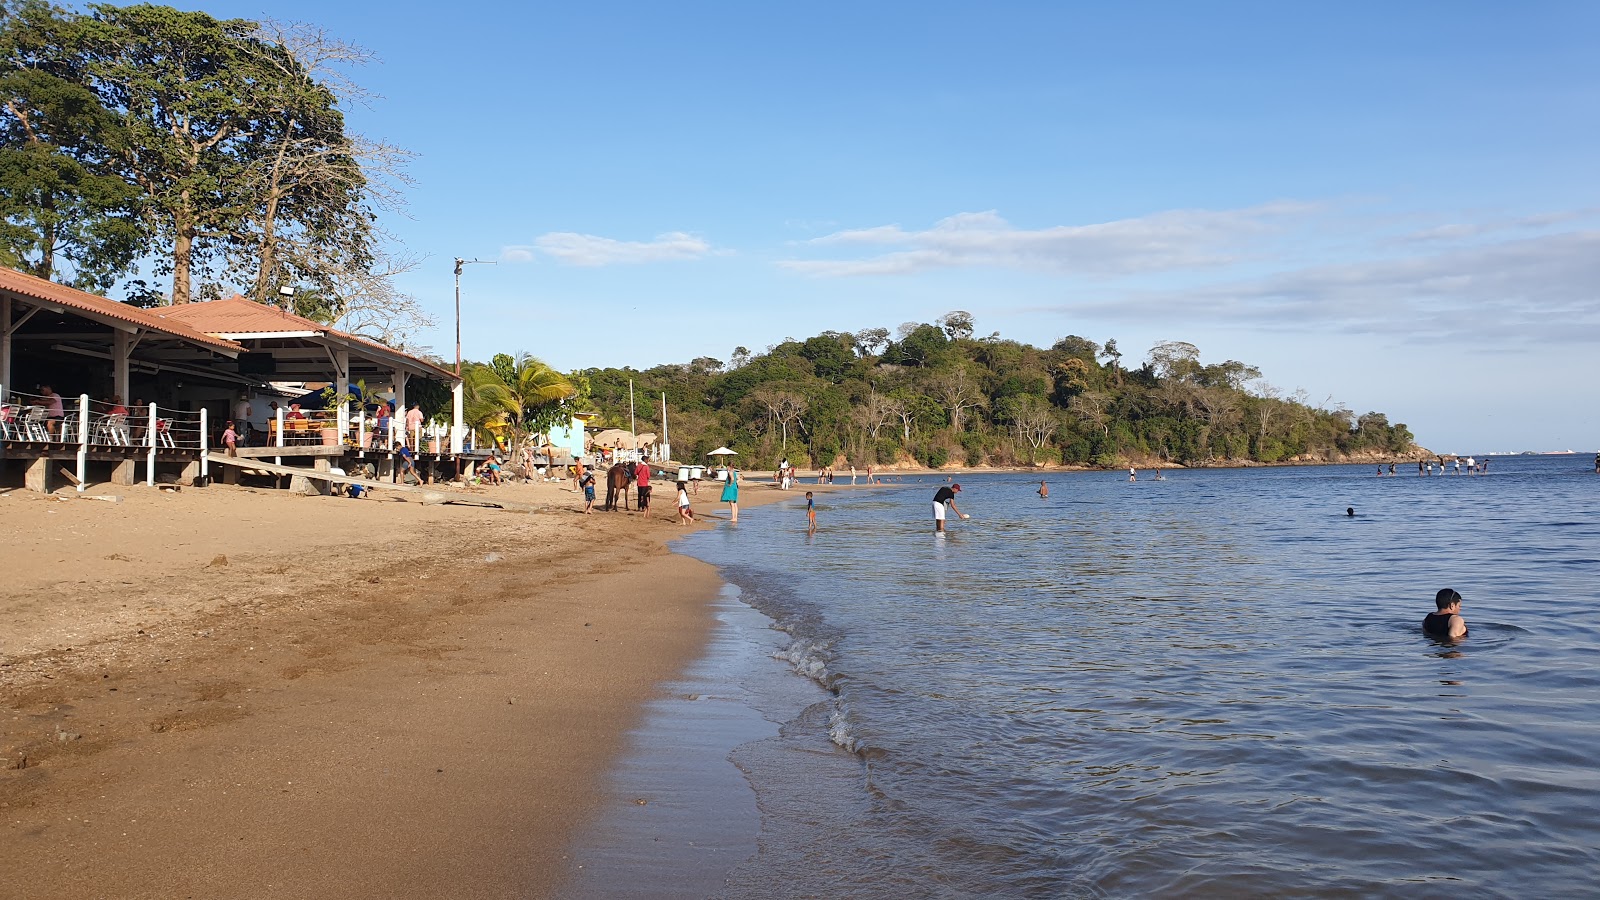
{"x":121,"y":348}
{"x":5,"y":343}
{"x":458,"y":428}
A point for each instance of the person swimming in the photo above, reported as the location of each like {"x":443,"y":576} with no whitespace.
{"x":1447,"y":622}
{"x":1350,"y":510}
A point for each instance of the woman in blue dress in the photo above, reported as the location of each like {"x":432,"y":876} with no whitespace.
{"x":730,"y":494}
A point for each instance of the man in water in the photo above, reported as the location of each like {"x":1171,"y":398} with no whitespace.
{"x":1447,"y":622}
{"x":944,"y":495}
{"x":1044,"y":491}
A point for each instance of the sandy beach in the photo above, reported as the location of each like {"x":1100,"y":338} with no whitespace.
{"x":241,"y":692}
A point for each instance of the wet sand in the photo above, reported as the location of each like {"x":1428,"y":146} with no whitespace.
{"x":244,"y":693}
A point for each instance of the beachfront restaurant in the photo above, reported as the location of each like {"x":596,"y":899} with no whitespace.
{"x":104,"y":385}
{"x":92,"y":388}
{"x":358,"y":419}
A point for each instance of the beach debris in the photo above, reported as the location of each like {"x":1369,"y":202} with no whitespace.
{"x":66,"y":736}
{"x":219,"y":561}
{"x":104,"y":498}
{"x":641,"y":801}
{"x":492,"y":558}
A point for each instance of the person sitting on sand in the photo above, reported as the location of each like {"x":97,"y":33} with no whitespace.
{"x":1447,"y":622}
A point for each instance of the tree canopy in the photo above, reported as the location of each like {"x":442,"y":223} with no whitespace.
{"x":935,"y":395}
{"x":208,"y":148}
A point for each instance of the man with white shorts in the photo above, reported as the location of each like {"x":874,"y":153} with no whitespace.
{"x":945,"y":495}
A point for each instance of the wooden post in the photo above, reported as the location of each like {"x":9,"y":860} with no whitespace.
{"x":37,"y":477}
{"x":122,"y":471}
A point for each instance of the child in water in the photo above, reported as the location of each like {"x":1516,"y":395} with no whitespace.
{"x":811,"y":513}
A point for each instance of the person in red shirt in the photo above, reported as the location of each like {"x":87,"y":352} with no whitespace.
{"x":641,"y":477}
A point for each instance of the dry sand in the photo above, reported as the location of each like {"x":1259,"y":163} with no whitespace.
{"x":234,"y":692}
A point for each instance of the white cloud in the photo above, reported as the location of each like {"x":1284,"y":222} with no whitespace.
{"x":1164,"y":241}
{"x":1544,"y":288}
{"x":576,"y":249}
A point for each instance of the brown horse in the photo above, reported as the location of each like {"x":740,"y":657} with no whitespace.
{"x":617,"y":481}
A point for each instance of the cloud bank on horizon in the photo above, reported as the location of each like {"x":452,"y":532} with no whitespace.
{"x":1280,"y":266}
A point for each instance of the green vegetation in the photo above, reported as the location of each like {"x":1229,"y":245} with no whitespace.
{"x":933,"y":394}
{"x":213,"y":148}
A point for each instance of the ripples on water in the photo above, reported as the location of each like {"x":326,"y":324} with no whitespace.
{"x":1214,"y":684}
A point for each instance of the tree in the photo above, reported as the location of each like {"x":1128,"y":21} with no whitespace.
{"x":1032,"y":420}
{"x":957,"y":324}
{"x":186,"y":90}
{"x":870,"y":341}
{"x":520,"y":391}
{"x":1175,"y":360}
{"x":310,"y":185}
{"x":956,"y":390}
{"x":59,"y":201}
{"x":783,"y":407}
{"x":1113,"y":357}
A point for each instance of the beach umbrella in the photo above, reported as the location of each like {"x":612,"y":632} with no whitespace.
{"x":615,"y":437}
{"x":723,"y":451}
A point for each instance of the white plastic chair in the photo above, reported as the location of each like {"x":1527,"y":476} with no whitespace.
{"x":112,"y":431}
{"x":33,"y":427}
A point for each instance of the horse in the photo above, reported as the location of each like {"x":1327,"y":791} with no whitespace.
{"x":617,"y":482}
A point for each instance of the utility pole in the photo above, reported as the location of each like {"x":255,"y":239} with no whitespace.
{"x":459,"y":263}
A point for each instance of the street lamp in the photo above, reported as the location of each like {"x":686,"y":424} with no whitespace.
{"x":287,"y":293}
{"x":459,"y":263}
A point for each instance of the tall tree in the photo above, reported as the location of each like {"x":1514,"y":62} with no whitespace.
{"x":186,"y":89}
{"x":59,"y":202}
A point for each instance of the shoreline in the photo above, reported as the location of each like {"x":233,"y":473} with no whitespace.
{"x":228,"y":695}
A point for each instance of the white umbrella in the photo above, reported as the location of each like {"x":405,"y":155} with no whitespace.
{"x":723,"y":451}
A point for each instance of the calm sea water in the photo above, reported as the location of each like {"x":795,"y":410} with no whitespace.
{"x":1210,"y":685}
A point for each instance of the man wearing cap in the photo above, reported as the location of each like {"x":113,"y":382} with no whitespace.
{"x":945,"y":495}
{"x":1447,"y":622}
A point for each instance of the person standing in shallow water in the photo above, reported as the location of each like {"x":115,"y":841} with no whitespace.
{"x":945,"y":495}
{"x":730,"y":494}
{"x":1447,"y":622}
{"x":1044,"y":491}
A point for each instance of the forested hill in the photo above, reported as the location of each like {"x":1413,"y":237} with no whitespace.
{"x":934,"y":395}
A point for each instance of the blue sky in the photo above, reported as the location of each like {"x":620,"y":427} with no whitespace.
{"x":1390,"y":205}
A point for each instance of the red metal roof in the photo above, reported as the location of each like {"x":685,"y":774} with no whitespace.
{"x":237,"y":315}
{"x":72,"y":298}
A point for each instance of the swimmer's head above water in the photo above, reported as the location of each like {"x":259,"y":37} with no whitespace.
{"x":1349,"y":510}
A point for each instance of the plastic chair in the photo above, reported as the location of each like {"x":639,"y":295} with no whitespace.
{"x":33,"y":426}
{"x":112,"y":431}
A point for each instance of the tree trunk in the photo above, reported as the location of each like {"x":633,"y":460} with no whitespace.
{"x":182,"y":258}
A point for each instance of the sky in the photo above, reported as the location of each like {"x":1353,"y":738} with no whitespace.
{"x":1391,"y":207}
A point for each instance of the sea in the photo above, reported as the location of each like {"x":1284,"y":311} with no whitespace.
{"x":1211,"y":684}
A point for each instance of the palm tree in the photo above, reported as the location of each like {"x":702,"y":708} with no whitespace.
{"x":522,"y":393}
